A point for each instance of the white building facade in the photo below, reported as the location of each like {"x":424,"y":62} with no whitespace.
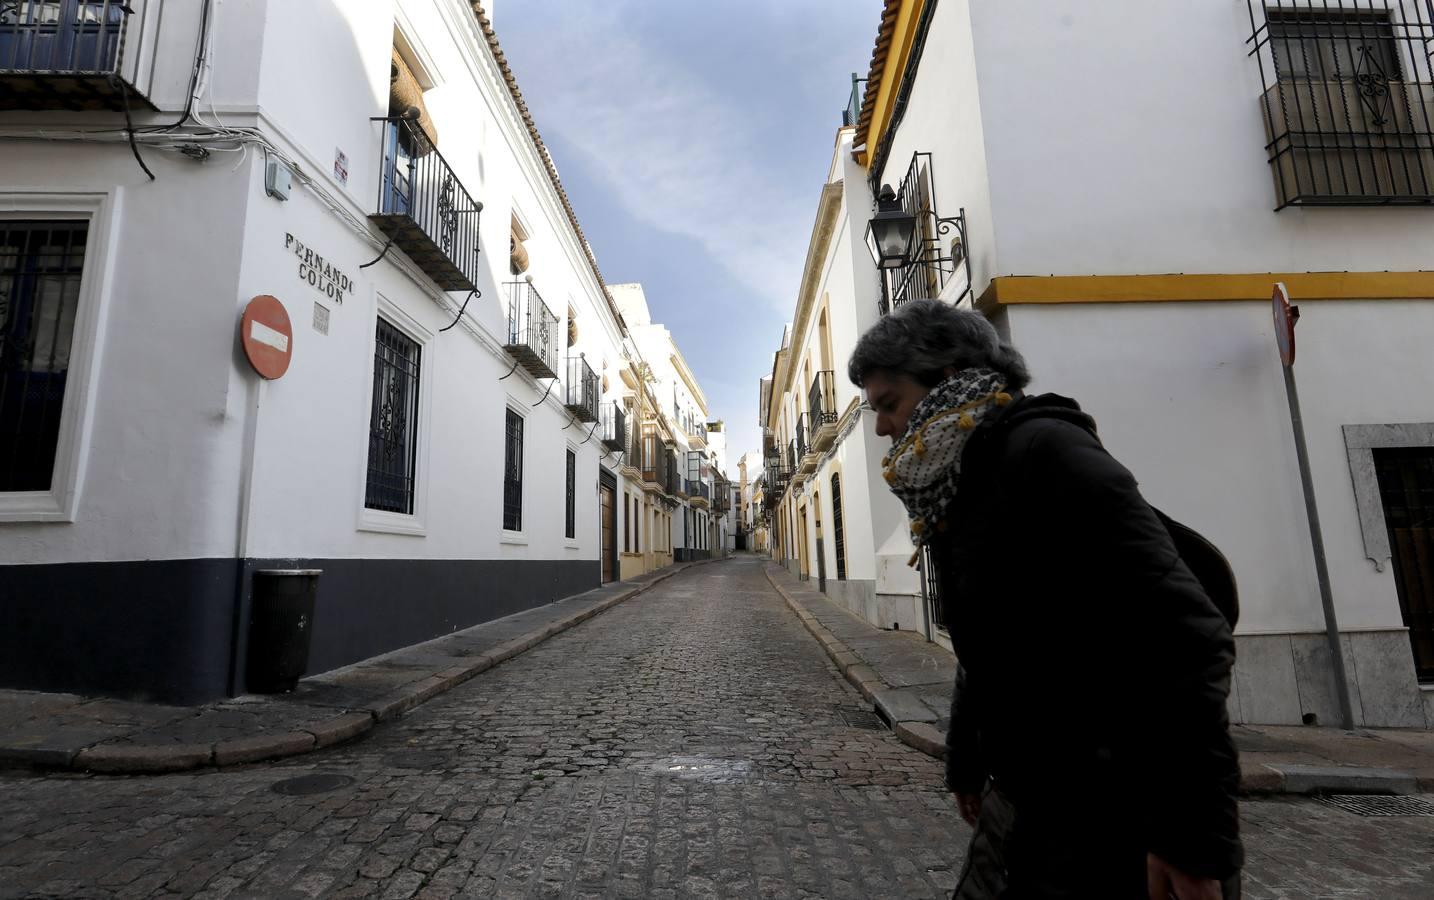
{"x":448,"y":442}
{"x":1057,"y":194}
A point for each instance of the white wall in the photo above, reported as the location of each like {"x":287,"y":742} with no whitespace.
{"x":1190,"y":397}
{"x":175,"y":396}
{"x":1127,"y":137}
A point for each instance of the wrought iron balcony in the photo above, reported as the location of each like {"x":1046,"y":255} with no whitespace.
{"x":699,"y":492}
{"x":532,"y":331}
{"x":582,"y":392}
{"x":614,"y":426}
{"x":66,"y":54}
{"x":821,"y":410}
{"x":649,"y":459}
{"x":852,"y":113}
{"x":424,"y":208}
{"x":669,"y":477}
{"x":939,"y":251}
{"x":1348,"y":101}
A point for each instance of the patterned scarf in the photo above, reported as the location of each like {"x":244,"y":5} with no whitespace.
{"x":924,"y":467}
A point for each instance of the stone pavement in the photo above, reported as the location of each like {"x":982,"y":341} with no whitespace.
{"x":109,"y":735}
{"x":909,"y":680}
{"x":692,"y":742}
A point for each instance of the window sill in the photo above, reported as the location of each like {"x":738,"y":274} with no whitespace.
{"x":514,"y":538}
{"x":572,"y":544}
{"x":34,"y":506}
{"x":381,"y":522}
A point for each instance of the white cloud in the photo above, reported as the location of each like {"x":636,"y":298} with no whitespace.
{"x":682,"y":157}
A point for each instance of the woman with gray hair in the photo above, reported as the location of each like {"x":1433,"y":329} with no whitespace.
{"x":1089,"y":742}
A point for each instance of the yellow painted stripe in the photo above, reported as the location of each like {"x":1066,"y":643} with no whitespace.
{"x":1022,"y":289}
{"x":895,"y":64}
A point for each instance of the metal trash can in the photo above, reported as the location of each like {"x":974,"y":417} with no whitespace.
{"x":281,"y":626}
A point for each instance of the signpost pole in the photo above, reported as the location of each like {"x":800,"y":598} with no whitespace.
{"x":1284,"y":327}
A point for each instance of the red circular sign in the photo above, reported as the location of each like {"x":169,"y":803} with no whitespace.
{"x":267,"y":336}
{"x":1284,"y":323}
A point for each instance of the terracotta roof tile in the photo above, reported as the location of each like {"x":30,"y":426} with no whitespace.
{"x":878,"y":63}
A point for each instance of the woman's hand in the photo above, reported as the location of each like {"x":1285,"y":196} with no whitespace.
{"x":1165,"y":881}
{"x":970,"y":807}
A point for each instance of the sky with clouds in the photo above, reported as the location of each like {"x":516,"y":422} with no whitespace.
{"x":693,"y":140}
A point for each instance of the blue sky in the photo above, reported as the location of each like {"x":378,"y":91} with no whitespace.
{"x":693,"y":140}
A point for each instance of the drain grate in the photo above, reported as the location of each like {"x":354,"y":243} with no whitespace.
{"x":304,"y":785}
{"x":1380,"y":805}
{"x":862,"y":718}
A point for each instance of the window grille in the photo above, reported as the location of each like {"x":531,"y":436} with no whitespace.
{"x":40,"y":267}
{"x":572,"y":524}
{"x":939,"y":251}
{"x":838,"y":531}
{"x":393,"y":422}
{"x":932,"y":581}
{"x":1348,"y":102}
{"x":513,"y":473}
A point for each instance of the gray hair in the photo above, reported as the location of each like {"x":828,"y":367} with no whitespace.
{"x":923,"y":338}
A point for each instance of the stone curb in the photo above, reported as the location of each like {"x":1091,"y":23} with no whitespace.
{"x":153,"y":759}
{"x":918,"y":734}
{"x":1256,"y":779}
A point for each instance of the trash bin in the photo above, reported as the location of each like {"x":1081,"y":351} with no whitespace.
{"x":281,"y":625}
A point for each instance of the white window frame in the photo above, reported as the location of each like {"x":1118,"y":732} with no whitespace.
{"x":378,"y":520}
{"x":100,"y":209}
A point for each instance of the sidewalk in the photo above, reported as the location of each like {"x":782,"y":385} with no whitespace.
{"x":66,"y":731}
{"x":909,"y":681}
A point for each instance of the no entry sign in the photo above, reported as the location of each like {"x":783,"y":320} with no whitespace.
{"x":267,"y":336}
{"x":1285,"y":316}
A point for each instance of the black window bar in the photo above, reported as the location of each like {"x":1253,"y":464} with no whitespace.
{"x":393,"y":422}
{"x":614,"y":426}
{"x":838,"y":528}
{"x":513,"y":473}
{"x":1348,"y":101}
{"x":424,"y":208}
{"x":40,"y":268}
{"x":571,"y":529}
{"x":582,"y":391}
{"x":939,"y":250}
{"x":70,"y":37}
{"x":931,"y":585}
{"x":801,"y":439}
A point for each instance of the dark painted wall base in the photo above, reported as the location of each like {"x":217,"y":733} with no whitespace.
{"x":170,"y":630}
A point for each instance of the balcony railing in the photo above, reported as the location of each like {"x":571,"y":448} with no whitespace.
{"x":532,"y":331}
{"x":614,"y":426}
{"x":801,"y":439}
{"x":1348,"y":101}
{"x":821,"y":399}
{"x":646,"y":457}
{"x":582,"y":392}
{"x":424,"y":208}
{"x":667,"y":474}
{"x":852,"y":112}
{"x":62,"y":54}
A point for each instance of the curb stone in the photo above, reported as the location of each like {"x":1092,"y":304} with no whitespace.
{"x":1255,"y":778}
{"x":919,"y":734}
{"x":153,"y":759}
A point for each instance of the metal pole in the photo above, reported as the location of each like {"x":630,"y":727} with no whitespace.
{"x":925,"y":598}
{"x":1331,"y":624}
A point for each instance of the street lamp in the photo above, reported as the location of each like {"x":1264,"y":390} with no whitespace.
{"x":891,"y":232}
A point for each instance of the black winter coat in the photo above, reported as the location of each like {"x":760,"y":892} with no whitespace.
{"x":1094,"y":669}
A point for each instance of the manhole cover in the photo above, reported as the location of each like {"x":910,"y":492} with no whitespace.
{"x":318,"y":783}
{"x":701,"y":768}
{"x":1380,"y":805}
{"x":862,"y":718}
{"x":418,"y":759}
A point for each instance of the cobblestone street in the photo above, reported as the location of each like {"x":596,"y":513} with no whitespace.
{"x":694,"y":741}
